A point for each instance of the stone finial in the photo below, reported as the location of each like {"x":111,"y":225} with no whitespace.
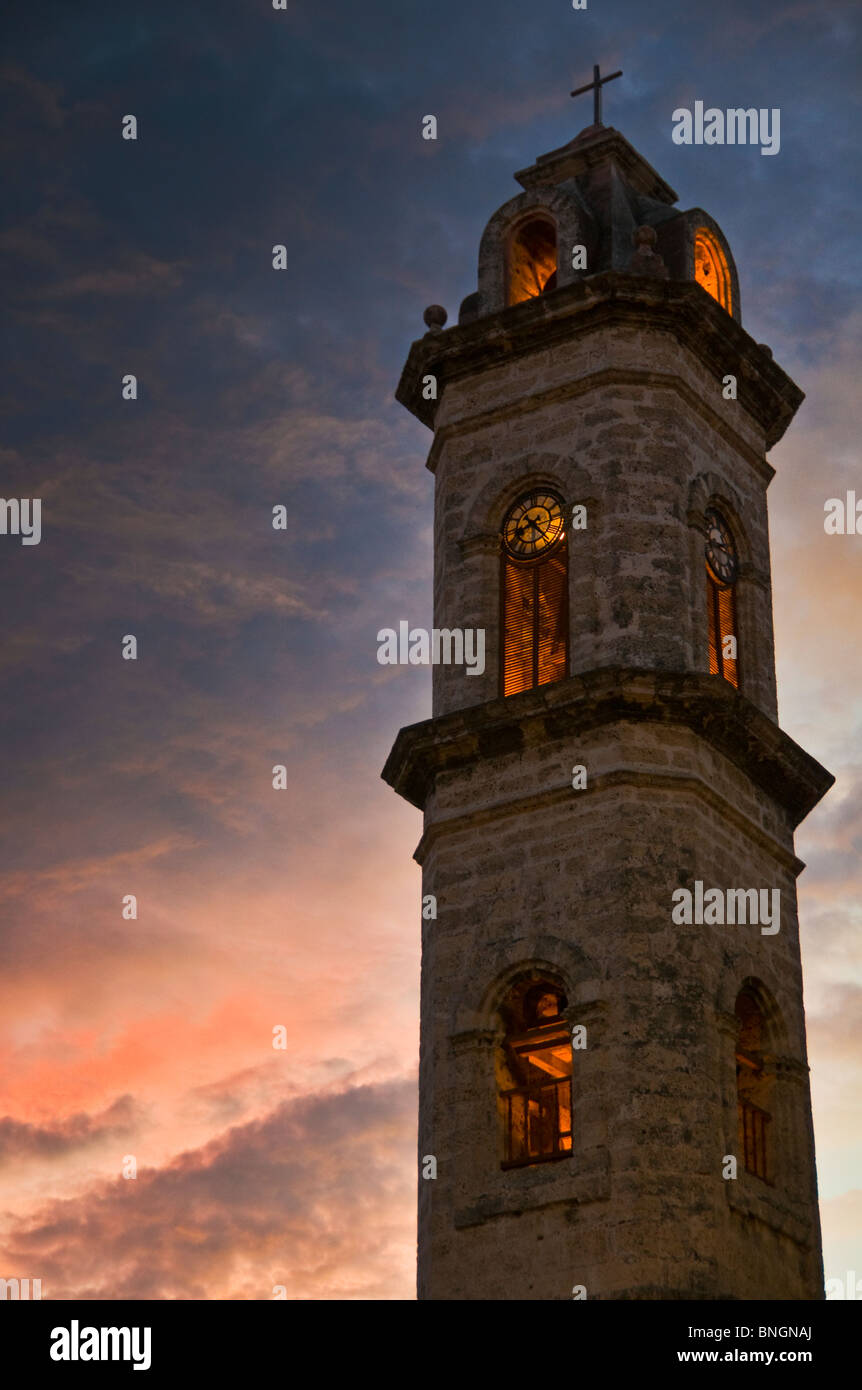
{"x":646,"y":260}
{"x":435,"y":316}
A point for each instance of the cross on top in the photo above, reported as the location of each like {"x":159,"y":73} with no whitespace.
{"x":596,"y":88}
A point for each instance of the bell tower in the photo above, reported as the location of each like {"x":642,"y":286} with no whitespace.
{"x":613,"y":1070}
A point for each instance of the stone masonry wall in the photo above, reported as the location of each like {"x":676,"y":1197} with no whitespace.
{"x":527,"y":870}
{"x":627,"y":422}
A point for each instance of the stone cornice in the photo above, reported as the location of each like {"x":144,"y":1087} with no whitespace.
{"x":614,"y":777}
{"x":711,"y":708}
{"x":680,"y":308}
{"x":593,"y":147}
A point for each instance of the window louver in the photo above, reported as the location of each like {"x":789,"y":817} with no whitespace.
{"x":721,"y":617}
{"x":535,"y":622}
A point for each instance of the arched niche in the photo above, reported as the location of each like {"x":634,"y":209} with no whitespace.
{"x":531,"y":258}
{"x":533,"y":1073}
{"x":709,"y":261}
{"x":477,"y":1004}
{"x":759,"y":1032}
{"x":710,"y":489}
{"x":711,"y":270}
{"x":555,"y":208}
{"x":709,"y":492}
{"x":493,"y":500}
{"x":775,"y":1035}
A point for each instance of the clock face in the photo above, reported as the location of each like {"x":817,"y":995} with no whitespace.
{"x":720,"y":549}
{"x":533,"y":525}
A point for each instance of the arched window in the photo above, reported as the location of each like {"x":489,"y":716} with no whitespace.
{"x":534,"y":1075}
{"x":752,"y":1087}
{"x":532,"y":260}
{"x":534,"y":593}
{"x":721,"y":574}
{"x":710,"y":267}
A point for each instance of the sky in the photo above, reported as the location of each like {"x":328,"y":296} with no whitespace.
{"x":150,"y":1041}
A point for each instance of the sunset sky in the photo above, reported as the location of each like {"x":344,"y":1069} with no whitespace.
{"x":257,"y":908}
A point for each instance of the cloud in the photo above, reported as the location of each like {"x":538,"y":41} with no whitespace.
{"x":255,"y":907}
{"x":33,"y":97}
{"x":317,"y":1197}
{"x":144,"y":276}
{"x":20,"y":1141}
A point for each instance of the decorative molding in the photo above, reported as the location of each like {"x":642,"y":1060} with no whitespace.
{"x":720,"y":715}
{"x":484,"y":543}
{"x":679,"y":308}
{"x":620,"y":776}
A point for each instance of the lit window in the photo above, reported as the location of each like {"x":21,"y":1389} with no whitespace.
{"x":535,"y":1076}
{"x":534,"y":593}
{"x":710,"y":267}
{"x":532,"y":260}
{"x":721,"y":573}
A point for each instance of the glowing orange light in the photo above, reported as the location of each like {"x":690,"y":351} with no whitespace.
{"x":535,"y":1077}
{"x":532,"y":260}
{"x":710,"y":267}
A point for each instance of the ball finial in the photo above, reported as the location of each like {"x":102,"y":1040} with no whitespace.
{"x":435,"y":316}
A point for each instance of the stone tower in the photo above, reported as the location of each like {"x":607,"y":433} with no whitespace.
{"x":600,"y":421}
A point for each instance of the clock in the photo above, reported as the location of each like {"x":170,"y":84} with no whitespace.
{"x":533,"y":525}
{"x":720,"y":549}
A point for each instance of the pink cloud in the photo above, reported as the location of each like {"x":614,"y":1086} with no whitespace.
{"x":317,"y":1197}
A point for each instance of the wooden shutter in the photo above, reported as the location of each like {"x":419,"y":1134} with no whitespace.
{"x":727,"y":628}
{"x":721,"y":621}
{"x":712,"y":617}
{"x":535,"y":622}
{"x":551,"y":618}
{"x":518,"y":610}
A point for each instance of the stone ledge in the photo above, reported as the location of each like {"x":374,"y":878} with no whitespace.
{"x":632,"y":776}
{"x":568,"y":708}
{"x":765,"y":1207}
{"x":529,"y":1188}
{"x":679,"y":307}
{"x":593,"y":147}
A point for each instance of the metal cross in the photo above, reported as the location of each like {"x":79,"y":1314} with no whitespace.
{"x":596,"y":88}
